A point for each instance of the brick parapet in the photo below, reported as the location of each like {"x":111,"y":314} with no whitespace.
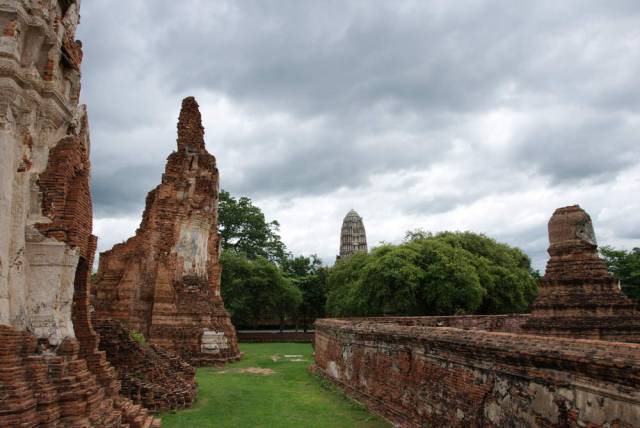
{"x":511,"y":323}
{"x":423,"y":376}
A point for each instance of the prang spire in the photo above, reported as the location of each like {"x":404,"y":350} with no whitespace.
{"x":353,"y":238}
{"x":190,"y":130}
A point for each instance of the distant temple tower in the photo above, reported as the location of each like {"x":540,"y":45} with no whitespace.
{"x":353,"y":238}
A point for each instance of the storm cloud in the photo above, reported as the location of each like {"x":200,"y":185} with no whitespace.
{"x":437,"y":115}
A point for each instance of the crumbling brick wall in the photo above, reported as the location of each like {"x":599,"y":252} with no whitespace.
{"x":440,"y":376}
{"x":149,"y":375}
{"x":51,"y":371}
{"x":506,"y":323}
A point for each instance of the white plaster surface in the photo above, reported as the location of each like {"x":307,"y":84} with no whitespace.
{"x":192,"y":247}
{"x":7,"y":167}
{"x":214,"y":341}
{"x":36,"y":273}
{"x":333,"y":370}
{"x":49,"y":308}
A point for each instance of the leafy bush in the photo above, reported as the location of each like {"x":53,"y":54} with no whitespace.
{"x":138,"y":337}
{"x":626,"y":266}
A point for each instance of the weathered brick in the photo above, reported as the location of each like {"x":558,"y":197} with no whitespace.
{"x":165,"y":281}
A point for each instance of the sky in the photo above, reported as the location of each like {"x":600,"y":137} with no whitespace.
{"x":434,"y":115}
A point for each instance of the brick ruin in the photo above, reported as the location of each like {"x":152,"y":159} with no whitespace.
{"x":575,"y":361}
{"x":149,"y":375}
{"x":578,"y":296}
{"x":165,"y":281}
{"x":51,"y":371}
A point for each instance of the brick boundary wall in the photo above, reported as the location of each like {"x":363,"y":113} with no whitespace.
{"x":511,"y":323}
{"x":441,"y":376}
{"x":287,"y":336}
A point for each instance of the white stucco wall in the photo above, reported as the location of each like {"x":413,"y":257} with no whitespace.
{"x":192,"y":247}
{"x":7,"y":168}
{"x":36,"y":273}
{"x":213,"y":342}
{"x":49,"y":308}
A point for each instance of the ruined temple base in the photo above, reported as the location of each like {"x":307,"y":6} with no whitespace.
{"x":55,"y":388}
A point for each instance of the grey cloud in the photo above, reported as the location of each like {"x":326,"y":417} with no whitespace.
{"x":123,"y":190}
{"x":332,"y":161}
{"x":434,"y":205}
{"x":393,"y":86}
{"x":574,"y":148}
{"x":336,"y":56}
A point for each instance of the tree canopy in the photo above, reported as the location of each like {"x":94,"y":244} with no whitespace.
{"x":626,"y":266}
{"x":443,"y":274}
{"x":309,"y":276}
{"x":261,"y":281}
{"x":255,"y":289}
{"x":449,"y":273}
{"x":244,"y":229}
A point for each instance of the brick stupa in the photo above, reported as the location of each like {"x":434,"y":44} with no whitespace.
{"x":165,"y":281}
{"x":578,"y":296}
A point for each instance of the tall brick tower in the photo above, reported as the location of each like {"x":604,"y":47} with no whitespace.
{"x":165,"y":281}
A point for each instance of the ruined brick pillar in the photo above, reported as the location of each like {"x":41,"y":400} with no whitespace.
{"x":51,"y":372}
{"x":578,"y":297}
{"x":165,"y":281}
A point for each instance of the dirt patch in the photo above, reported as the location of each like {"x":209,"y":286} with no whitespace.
{"x":250,"y":370}
{"x":257,"y":370}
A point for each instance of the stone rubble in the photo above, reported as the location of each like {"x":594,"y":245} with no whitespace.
{"x":149,"y":375}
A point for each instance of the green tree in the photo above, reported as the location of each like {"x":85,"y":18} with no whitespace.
{"x":256,"y":289}
{"x":510,"y":282}
{"x":309,"y":276}
{"x":449,"y":273}
{"x":344,"y":296}
{"x":244,"y":229}
{"x":287,"y":302}
{"x":626,"y":266}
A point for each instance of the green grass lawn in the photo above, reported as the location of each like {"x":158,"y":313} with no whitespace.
{"x":288,"y":397}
